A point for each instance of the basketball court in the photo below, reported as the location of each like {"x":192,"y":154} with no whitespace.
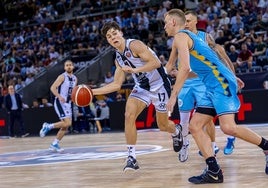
{"x":97,"y":160}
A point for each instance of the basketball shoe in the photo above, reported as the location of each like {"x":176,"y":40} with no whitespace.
{"x":216,"y":150}
{"x":178,"y":139}
{"x":132,"y":164}
{"x":44,"y":130}
{"x":266,"y":157}
{"x":229,"y":148}
{"x":183,"y":153}
{"x":55,"y":148}
{"x":207,"y":177}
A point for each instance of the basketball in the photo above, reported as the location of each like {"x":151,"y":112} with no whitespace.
{"x":82,"y":95}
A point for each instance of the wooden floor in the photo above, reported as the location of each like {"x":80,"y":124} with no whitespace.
{"x":96,"y":160}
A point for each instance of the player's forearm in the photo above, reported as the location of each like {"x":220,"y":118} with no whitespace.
{"x":225,"y":59}
{"x":109,"y":88}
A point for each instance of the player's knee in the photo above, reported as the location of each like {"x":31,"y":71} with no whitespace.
{"x":192,"y":128}
{"x":162,"y":126}
{"x":129,"y":116}
{"x":229,"y":130}
{"x":67,"y":124}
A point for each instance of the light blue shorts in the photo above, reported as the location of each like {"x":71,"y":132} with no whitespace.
{"x":191,"y":97}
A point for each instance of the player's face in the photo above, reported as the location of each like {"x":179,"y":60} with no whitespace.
{"x":169,"y":23}
{"x":114,"y":38}
{"x":191,"y":22}
{"x":69,"y":67}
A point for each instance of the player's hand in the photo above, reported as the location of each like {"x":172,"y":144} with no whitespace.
{"x":128,"y":69}
{"x":61,"y":99}
{"x":240,"y":83}
{"x":170,"y":104}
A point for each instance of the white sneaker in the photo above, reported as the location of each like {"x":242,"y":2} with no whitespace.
{"x":55,"y":148}
{"x":183,"y":153}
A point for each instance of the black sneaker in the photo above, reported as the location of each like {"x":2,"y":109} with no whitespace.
{"x":266,"y":158}
{"x":132,"y":164}
{"x":178,"y":139}
{"x":207,"y":177}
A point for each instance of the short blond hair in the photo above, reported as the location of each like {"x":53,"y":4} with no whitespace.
{"x":177,"y":13}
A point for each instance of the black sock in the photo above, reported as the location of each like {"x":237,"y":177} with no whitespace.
{"x":264,"y":144}
{"x":212,"y":164}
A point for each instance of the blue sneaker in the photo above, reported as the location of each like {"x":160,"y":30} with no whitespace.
{"x":55,"y":148}
{"x":216,"y":150}
{"x":44,"y":130}
{"x":229,"y":148}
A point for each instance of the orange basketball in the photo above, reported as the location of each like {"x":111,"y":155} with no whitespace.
{"x":82,"y":95}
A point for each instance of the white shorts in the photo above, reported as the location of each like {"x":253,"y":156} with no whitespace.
{"x":158,"y":98}
{"x":64,"y":110}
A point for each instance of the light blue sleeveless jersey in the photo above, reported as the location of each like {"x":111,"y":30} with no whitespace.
{"x":194,"y":82}
{"x":220,"y":82}
{"x":193,"y":90}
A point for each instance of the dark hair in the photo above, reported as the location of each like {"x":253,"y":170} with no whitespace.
{"x":109,"y":25}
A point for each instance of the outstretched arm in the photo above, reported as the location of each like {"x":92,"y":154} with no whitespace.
{"x":119,"y":78}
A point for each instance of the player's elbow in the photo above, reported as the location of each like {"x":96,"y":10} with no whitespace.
{"x":185,"y":69}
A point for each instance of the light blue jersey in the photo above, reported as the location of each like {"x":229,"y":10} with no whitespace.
{"x":220,"y":82}
{"x":193,"y":89}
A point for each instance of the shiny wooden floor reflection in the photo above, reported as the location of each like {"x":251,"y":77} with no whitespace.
{"x":244,"y":168}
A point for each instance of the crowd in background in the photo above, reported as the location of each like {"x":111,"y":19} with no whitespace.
{"x":37,"y":43}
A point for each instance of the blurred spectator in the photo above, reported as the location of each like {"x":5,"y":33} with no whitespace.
{"x":233,"y":55}
{"x":259,"y":25}
{"x":237,"y":25}
{"x":119,"y":97}
{"x":108,"y":77}
{"x":221,"y":38}
{"x":225,"y":20}
{"x":264,"y":17}
{"x":103,"y":114}
{"x":245,"y":58}
{"x":260,"y":50}
{"x":45,"y":103}
{"x":239,"y":39}
{"x":163,"y":60}
{"x":29,"y":79}
{"x":107,"y":99}
{"x":250,"y":44}
{"x":14,"y":106}
{"x":19,"y":84}
{"x":265,"y":84}
{"x":160,"y":13}
{"x":35,"y":104}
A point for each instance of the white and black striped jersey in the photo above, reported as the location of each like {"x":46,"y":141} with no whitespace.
{"x":150,"y":81}
{"x":65,"y":89}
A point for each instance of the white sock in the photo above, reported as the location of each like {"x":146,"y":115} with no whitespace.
{"x":56,"y":141}
{"x":51,"y":125}
{"x":213,"y":144}
{"x":184,"y":121}
{"x":232,"y":137}
{"x":131,"y":151}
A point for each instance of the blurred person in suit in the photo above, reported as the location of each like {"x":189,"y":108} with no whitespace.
{"x":14,"y":106}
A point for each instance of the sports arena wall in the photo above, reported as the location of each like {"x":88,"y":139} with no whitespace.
{"x":253,"y":109}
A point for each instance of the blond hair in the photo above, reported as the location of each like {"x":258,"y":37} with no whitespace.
{"x":178,"y":13}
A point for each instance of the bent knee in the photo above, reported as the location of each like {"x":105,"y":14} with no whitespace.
{"x":193,"y":128}
{"x":229,"y":130}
